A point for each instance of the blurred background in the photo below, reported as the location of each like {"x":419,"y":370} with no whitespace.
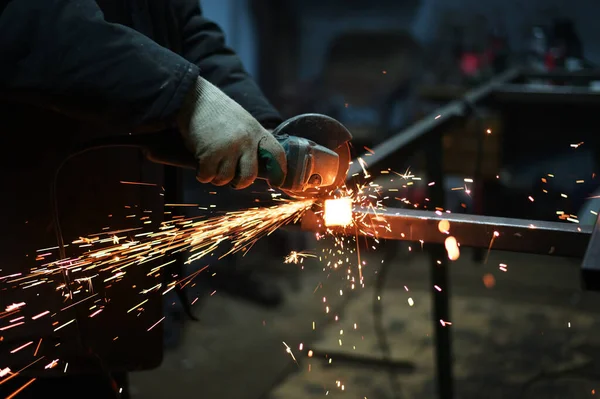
{"x":381,"y":68}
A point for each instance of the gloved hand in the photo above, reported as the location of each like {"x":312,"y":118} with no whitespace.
{"x":226,"y":139}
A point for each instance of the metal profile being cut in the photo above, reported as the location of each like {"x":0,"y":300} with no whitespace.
{"x":499,"y":233}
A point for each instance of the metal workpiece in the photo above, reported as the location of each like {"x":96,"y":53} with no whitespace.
{"x":507,"y":234}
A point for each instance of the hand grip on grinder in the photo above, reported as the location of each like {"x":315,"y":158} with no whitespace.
{"x":311,"y":167}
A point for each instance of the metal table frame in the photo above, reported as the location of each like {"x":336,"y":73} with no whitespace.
{"x":538,"y":237}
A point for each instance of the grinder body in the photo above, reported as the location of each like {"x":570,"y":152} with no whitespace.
{"x":316,"y":148}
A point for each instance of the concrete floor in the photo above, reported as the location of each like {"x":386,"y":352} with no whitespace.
{"x":236,"y":349}
{"x":532,"y":335}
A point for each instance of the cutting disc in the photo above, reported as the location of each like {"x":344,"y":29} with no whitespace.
{"x":327,"y":132}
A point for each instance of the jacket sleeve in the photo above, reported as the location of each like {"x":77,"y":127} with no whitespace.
{"x":204,"y":45}
{"x":63,"y":55}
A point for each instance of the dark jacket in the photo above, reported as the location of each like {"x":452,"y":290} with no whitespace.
{"x":72,"y":70}
{"x":129,"y":69}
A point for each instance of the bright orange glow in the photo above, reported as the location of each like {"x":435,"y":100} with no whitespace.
{"x":452,"y":248}
{"x":338,"y":212}
{"x":489,"y":280}
{"x":444,"y":226}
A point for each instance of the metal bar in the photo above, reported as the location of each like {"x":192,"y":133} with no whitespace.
{"x":433,"y":122}
{"x":517,"y":235}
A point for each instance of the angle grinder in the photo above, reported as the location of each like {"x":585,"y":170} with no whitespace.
{"x":317,"y":150}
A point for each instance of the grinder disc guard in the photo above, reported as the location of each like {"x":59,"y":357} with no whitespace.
{"x":326,"y":132}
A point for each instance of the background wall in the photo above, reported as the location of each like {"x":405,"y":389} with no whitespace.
{"x":323,"y":20}
{"x":234,"y":17}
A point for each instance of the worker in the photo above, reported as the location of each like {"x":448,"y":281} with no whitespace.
{"x":66,"y":56}
{"x":73,"y":68}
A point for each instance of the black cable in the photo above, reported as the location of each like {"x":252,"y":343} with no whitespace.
{"x":62,"y":252}
{"x":54,"y":188}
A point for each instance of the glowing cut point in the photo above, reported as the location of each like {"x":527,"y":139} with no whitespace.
{"x":338,"y":212}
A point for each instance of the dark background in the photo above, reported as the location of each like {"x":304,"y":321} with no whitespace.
{"x":379,"y":67}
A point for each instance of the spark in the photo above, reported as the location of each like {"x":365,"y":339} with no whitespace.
{"x":18,"y":391}
{"x":21,"y":347}
{"x":496,"y":234}
{"x":138,"y":183}
{"x":200,"y":237}
{"x":155,"y":324}
{"x":44,"y":313}
{"x":452,"y":248}
{"x":11,"y":326}
{"x":289,"y":351}
{"x":110,"y":254}
{"x":298,"y":257}
{"x":137,"y":306}
{"x":363,"y":165}
{"x":64,"y":325}
{"x":14,"y":306}
{"x":406,"y":175}
{"x":444,"y":226}
{"x":37,"y":348}
{"x":489,"y":280}
{"x":52,"y":364}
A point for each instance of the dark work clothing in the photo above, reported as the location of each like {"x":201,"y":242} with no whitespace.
{"x":71,"y":71}
{"x":64,"y":55}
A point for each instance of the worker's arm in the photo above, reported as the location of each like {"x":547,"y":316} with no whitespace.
{"x":204,"y":45}
{"x":63,"y":55}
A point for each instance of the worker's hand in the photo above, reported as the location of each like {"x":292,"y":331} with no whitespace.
{"x":225,"y":138}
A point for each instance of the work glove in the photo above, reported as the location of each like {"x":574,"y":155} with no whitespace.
{"x":226,"y":140}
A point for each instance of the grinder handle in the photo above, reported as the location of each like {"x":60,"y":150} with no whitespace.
{"x":168,"y":148}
